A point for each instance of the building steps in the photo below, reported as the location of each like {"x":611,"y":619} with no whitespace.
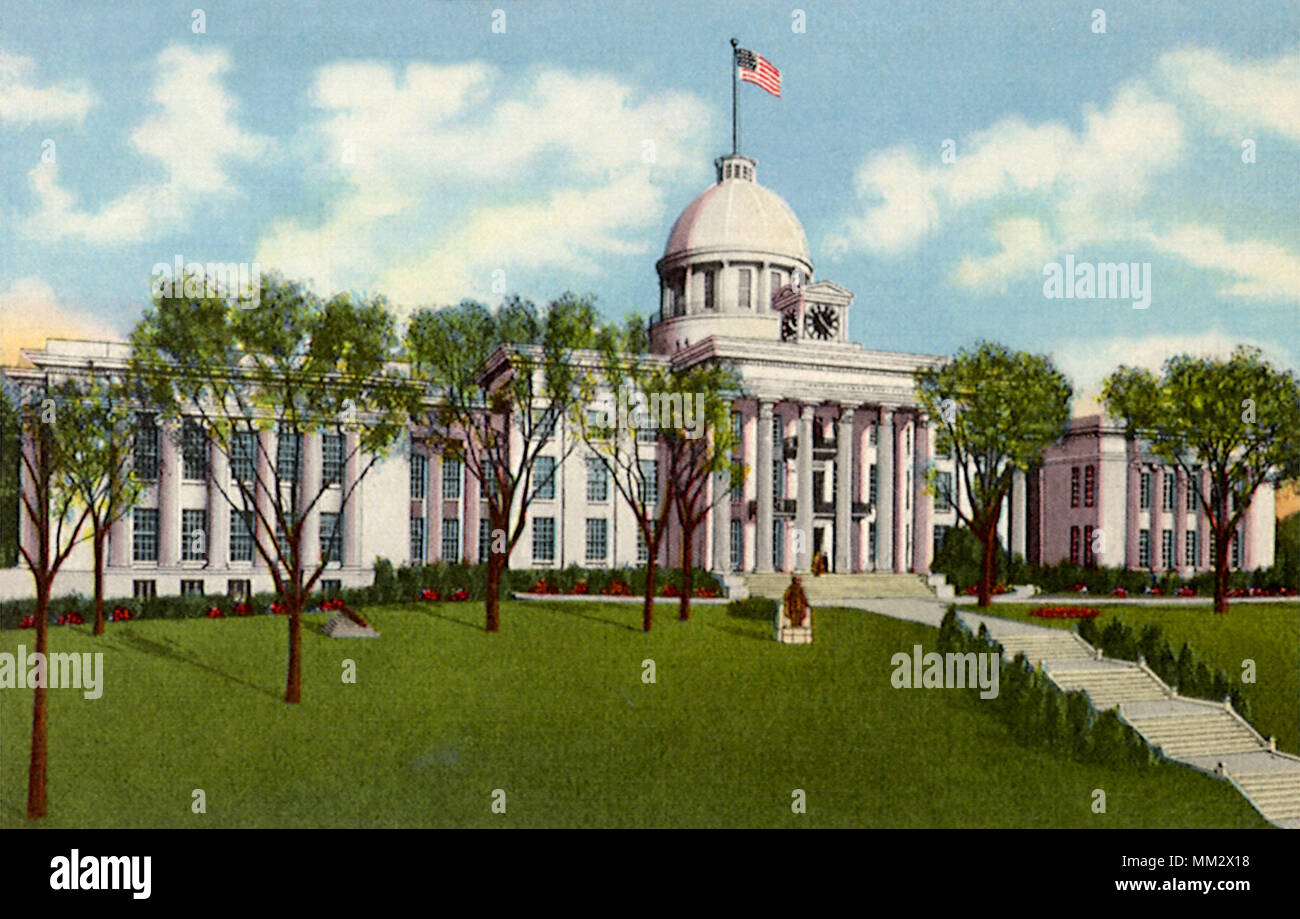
{"x":828,"y":588}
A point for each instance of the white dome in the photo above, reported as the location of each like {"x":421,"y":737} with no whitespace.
{"x":738,"y":215}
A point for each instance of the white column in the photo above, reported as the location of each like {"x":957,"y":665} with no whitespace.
{"x":720,"y":517}
{"x":923,"y":501}
{"x":844,"y":491}
{"x":218,"y":507}
{"x":763,"y":488}
{"x":1017,"y":524}
{"x":803,"y":469}
{"x":352,"y":513}
{"x":169,"y":540}
{"x":309,"y":481}
{"x":885,"y":491}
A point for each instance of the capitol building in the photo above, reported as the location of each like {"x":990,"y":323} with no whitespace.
{"x":835,"y":445}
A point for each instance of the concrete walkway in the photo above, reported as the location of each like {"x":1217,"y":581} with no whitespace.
{"x":1207,"y":736}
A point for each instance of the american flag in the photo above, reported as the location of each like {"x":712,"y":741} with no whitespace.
{"x":756,"y":69}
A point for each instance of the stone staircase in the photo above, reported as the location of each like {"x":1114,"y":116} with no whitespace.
{"x":1207,"y":736}
{"x":828,"y":588}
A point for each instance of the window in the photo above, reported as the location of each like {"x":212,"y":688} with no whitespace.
{"x":940,"y":534}
{"x":737,"y":545}
{"x":544,"y":477}
{"x":597,"y":539}
{"x":282,"y":540}
{"x":288,"y":455}
{"x":1236,"y":548}
{"x":144,"y":590}
{"x":484,"y":539}
{"x":642,"y":550}
{"x":543,"y":539}
{"x":778,"y":544}
{"x":873,"y":434}
{"x":331,"y":454}
{"x":331,"y":537}
{"x":647,"y":434}
{"x":943,"y":484}
{"x":871,"y":543}
{"x":1144,"y":548}
{"x":1191,"y":551}
{"x":907,"y":492}
{"x":710,"y":285}
{"x":331,"y":585}
{"x":488,"y":485}
{"x":242,"y":588}
{"x":243,"y":451}
{"x":241,"y":536}
{"x":873,"y":484}
{"x":191,"y":588}
{"x":1089,"y":486}
{"x":1167,"y":549}
{"x":417,"y":539}
{"x":1074,"y":486}
{"x":419,"y":475}
{"x":738,"y":480}
{"x":1087,"y":546}
{"x":146,"y":447}
{"x":546,"y":424}
{"x":144,"y":534}
{"x":1167,"y":483}
{"x":194,"y":535}
{"x":775,"y":280}
{"x":737,"y":425}
{"x":649,"y":484}
{"x":1193,"y":490}
{"x":744,"y":294}
{"x":1074,"y":545}
{"x":1144,"y":491}
{"x":597,"y":480}
{"x":450,"y":478}
{"x":194,"y":450}
{"x":778,"y":435}
{"x":450,"y":540}
{"x":778,"y":480}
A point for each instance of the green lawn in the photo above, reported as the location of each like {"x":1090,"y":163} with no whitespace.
{"x":553,"y":710}
{"x":1267,"y":633}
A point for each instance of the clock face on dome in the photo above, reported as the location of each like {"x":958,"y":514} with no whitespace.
{"x":821,"y":321}
{"x":789,"y":325}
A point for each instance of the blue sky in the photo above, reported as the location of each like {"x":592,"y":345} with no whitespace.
{"x":408,"y":149}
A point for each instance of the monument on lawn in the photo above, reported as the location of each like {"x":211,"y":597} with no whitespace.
{"x":794,"y":618}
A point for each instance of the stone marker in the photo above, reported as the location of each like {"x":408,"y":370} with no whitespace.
{"x":794,"y":619}
{"x":347,"y":624}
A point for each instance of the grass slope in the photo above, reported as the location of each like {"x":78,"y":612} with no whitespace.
{"x":553,"y":710}
{"x":1267,"y":633}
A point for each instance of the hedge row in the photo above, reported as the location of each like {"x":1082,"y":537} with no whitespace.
{"x":1185,"y":671}
{"x":390,"y":586}
{"x":1040,"y":714}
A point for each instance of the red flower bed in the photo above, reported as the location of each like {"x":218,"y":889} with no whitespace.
{"x":617,"y":589}
{"x":277,"y":608}
{"x":29,"y":622}
{"x":428,"y":594}
{"x":332,"y":603}
{"x":581,"y":587}
{"x":215,"y":613}
{"x":120,"y":614}
{"x":458,"y":595}
{"x":671,"y":590}
{"x":1081,"y":588}
{"x":1119,"y":592}
{"x":1187,"y":591}
{"x":70,"y":618}
{"x":242,"y":609}
{"x":545,"y":587}
{"x":706,"y":591}
{"x":1064,"y":612}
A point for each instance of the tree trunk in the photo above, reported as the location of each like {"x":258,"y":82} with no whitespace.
{"x":492,"y":597}
{"x":988,"y":565}
{"x":39,"y":754}
{"x":648,"y":606}
{"x":688,"y":571}
{"x":1220,"y":574}
{"x":99,"y":583}
{"x":293,"y":685}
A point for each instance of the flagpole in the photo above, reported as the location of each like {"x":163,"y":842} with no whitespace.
{"x":734,"y":146}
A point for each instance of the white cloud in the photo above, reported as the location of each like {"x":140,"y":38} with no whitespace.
{"x":1087,"y":364}
{"x":1023,"y":241}
{"x":1261,"y":270}
{"x":556,"y":163}
{"x":23,"y":103}
{"x":192,"y":137}
{"x":30,"y":313}
{"x":1238,"y":99}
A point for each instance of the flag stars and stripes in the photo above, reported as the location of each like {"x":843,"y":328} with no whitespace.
{"x":756,"y":69}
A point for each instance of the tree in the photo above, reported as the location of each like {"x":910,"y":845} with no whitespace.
{"x":996,"y":411}
{"x":56,"y":527}
{"x":99,"y":471}
{"x":296,"y":365}
{"x":699,"y":446}
{"x":1238,"y":419}
{"x":629,"y":374}
{"x":501,"y":383}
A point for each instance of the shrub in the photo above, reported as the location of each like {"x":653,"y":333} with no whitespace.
{"x":753,"y":608}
